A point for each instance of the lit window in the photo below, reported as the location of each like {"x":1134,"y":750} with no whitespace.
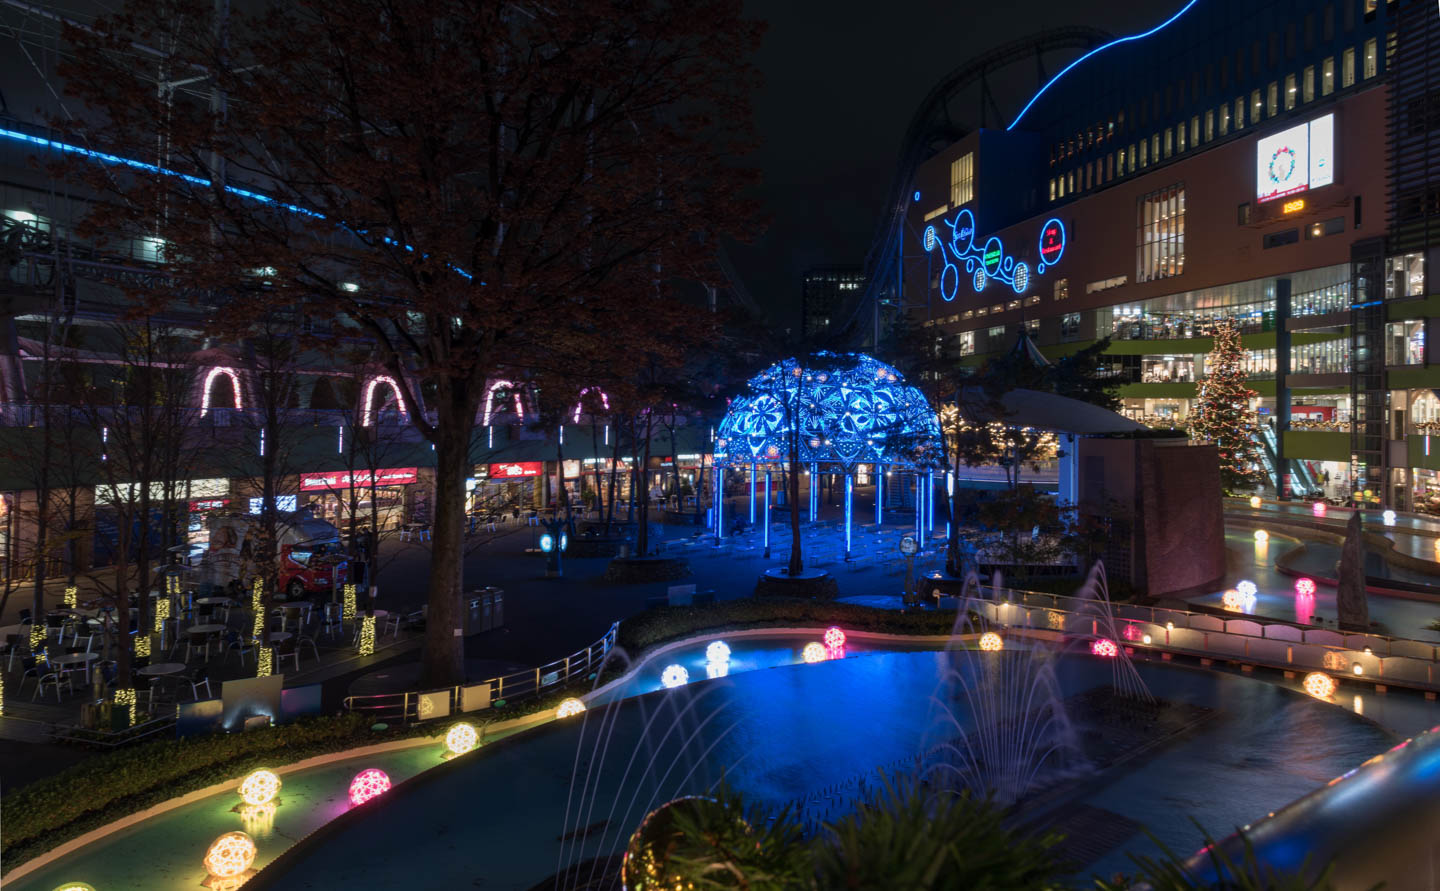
{"x":1155,"y":148}
{"x":1131,"y":161}
{"x":995,"y":332}
{"x":967,"y":343}
{"x":1145,"y":153}
{"x":1292,"y":92}
{"x":1052,"y":188}
{"x":1062,"y":288}
{"x":1225,"y":119}
{"x":1256,"y":108}
{"x":1195,"y":130}
{"x":1272,"y":99}
{"x":1070,"y":325}
{"x":1347,"y":67}
{"x":1160,"y":243}
{"x":1307,"y":84}
{"x":1240,"y":113}
{"x":962,"y":180}
{"x":1180,"y":138}
{"x":1327,"y":76}
{"x":1169,"y":142}
{"x":1370,"y":60}
{"x":1209,"y":125}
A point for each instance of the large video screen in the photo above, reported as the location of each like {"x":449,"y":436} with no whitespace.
{"x":1296,"y":159}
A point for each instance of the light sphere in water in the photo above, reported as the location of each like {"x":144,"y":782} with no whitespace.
{"x":991,"y":642}
{"x":230,"y":855}
{"x":461,"y":738}
{"x":646,"y":864}
{"x":1261,"y":535}
{"x":1104,"y":647}
{"x":1246,"y":588}
{"x":1319,"y":685}
{"x":369,"y":783}
{"x":834,"y":637}
{"x":1231,"y":599}
{"x":260,"y":787}
{"x":674,"y":676}
{"x":569,"y":707}
{"x":1304,"y":586}
{"x":1255,"y":501}
{"x":1319,"y":509}
{"x":1388,"y":517}
{"x":813,"y":652}
{"x":719,"y":651}
{"x":75,"y":886}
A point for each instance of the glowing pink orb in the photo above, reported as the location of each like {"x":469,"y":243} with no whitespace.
{"x":834,"y":637}
{"x":1319,"y":509}
{"x":1104,"y":647}
{"x":1304,"y":586}
{"x":1130,"y":633}
{"x":369,"y":783}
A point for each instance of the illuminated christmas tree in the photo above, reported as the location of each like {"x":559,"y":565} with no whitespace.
{"x":1223,"y":416}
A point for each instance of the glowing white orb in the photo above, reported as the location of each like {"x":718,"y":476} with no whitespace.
{"x":1104,"y":647}
{"x":1247,"y":588}
{"x":1255,"y":501}
{"x":1319,"y":685}
{"x":674,"y":676}
{"x":260,"y":787}
{"x":1388,"y":517}
{"x":461,"y":738}
{"x":813,"y":652}
{"x":1358,"y":669}
{"x":570,"y":707}
{"x":369,"y":783}
{"x":719,"y":651}
{"x":1304,"y":586}
{"x":991,"y":642}
{"x":1145,"y":639}
{"x":834,"y":637}
{"x":1261,"y":535}
{"x":230,"y":855}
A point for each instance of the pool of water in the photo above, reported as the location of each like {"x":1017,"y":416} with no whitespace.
{"x":497,"y":819}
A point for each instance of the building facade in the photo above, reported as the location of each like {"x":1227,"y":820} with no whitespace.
{"x":824,"y":292}
{"x":1262,"y":162}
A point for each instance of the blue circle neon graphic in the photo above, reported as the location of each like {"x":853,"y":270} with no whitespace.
{"x":990,"y":262}
{"x":917,"y":195}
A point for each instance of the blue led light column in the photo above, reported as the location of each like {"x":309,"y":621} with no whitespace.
{"x":766,"y":519}
{"x":814,"y":491}
{"x":949,"y":500}
{"x":849,"y":502}
{"x":719,"y":505}
{"x":919,"y":509}
{"x":753,"y":472}
{"x":930,"y":500}
{"x":879,"y":494}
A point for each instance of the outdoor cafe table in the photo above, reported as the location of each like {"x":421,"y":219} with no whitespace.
{"x":205,"y":629}
{"x":162,"y":669}
{"x":72,"y":660}
{"x":214,"y":601}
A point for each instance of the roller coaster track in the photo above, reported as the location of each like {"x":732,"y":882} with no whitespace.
{"x":931,"y":129}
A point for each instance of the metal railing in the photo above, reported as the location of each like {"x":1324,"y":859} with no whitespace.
{"x":421,"y":705}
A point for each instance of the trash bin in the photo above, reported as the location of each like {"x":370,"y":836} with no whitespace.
{"x":484,"y":610}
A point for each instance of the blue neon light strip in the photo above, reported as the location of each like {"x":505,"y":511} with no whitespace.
{"x":1066,"y":70}
{"x":107,"y":158}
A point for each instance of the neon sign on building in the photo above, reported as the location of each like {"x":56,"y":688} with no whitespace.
{"x":988,"y":262}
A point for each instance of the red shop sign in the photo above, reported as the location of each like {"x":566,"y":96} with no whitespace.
{"x":517,"y":469}
{"x":342,"y":479}
{"x":208,"y":504}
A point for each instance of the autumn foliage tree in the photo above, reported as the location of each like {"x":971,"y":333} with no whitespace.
{"x":449,"y":179}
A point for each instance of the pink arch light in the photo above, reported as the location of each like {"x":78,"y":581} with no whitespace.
{"x":210,"y":380}
{"x":367,"y":407}
{"x":580,"y":406}
{"x":490,"y":402}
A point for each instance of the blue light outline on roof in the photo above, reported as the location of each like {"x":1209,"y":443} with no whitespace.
{"x":107,"y":158}
{"x":1184,"y":9}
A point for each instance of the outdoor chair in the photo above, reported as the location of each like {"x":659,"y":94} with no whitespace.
{"x":30,"y":668}
{"x":54,"y":679}
{"x":197,"y":680}
{"x":88,"y":629}
{"x":392,"y":624}
{"x":310,"y":641}
{"x":287,"y":649}
{"x":194,"y":640}
{"x":234,"y":643}
{"x":55,"y":625}
{"x":11,"y":647}
{"x":332,"y":621}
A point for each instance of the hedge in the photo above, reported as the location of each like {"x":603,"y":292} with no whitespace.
{"x":109,"y":787}
{"x":666,"y":623}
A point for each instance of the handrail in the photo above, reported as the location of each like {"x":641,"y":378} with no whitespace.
{"x":418,"y":705}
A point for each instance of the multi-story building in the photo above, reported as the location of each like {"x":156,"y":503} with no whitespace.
{"x":1276,"y":163}
{"x":825,"y":291}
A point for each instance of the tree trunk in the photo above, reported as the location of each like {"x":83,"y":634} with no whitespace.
{"x":641,"y":487}
{"x":442,"y":662}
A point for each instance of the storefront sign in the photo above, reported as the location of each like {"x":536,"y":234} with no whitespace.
{"x":209,"y":504}
{"x":343,"y":479}
{"x":516,"y":470}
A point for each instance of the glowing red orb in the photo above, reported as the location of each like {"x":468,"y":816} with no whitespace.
{"x":1104,"y":647}
{"x":834,"y":637}
{"x":369,"y":783}
{"x":1304,"y":586}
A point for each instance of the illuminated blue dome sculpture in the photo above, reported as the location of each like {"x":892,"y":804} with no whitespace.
{"x":851,"y":409}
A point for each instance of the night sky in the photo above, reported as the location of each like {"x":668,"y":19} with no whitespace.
{"x":842,"y":80}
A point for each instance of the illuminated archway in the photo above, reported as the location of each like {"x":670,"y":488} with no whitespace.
{"x":580,"y":405}
{"x":206,"y":388}
{"x":489,"y":414}
{"x":368,"y":408}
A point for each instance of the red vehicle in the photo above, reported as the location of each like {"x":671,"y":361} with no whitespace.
{"x":312,"y":559}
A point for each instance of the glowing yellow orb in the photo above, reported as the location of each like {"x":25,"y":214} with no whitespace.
{"x":75,"y":886}
{"x":1232,"y":600}
{"x":1261,"y":535}
{"x":571,"y":706}
{"x":813,"y":652}
{"x":260,"y":787}
{"x":991,"y":642}
{"x":1255,"y":501}
{"x":1319,"y":685}
{"x":461,"y":738}
{"x":230,"y":855}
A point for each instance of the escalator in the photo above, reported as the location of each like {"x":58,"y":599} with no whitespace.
{"x":1304,"y":481}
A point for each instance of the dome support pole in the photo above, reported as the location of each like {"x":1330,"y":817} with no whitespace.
{"x":930,"y":502}
{"x":765,"y":519}
{"x":719,"y":482}
{"x":879,"y":471}
{"x":754,"y":471}
{"x":814,"y":491}
{"x":849,"y":512}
